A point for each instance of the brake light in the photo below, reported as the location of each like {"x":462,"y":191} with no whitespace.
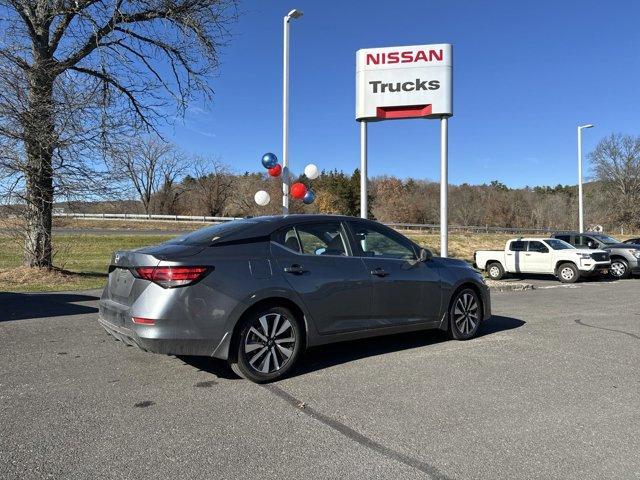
{"x":169,"y":277}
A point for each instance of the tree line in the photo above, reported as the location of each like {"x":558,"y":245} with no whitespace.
{"x":164,"y":180}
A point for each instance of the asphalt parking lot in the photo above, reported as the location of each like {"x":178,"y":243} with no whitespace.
{"x":551,"y":389}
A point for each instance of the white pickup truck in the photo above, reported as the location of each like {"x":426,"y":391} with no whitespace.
{"x":542,"y":255}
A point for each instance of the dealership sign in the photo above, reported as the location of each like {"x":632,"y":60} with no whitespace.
{"x":404,"y":82}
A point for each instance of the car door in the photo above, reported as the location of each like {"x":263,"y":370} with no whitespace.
{"x":405,"y":290}
{"x":317,"y":262}
{"x":537,"y":259}
{"x":514,"y":256}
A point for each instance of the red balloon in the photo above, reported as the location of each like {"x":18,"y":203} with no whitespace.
{"x":298,"y":190}
{"x":275,"y":171}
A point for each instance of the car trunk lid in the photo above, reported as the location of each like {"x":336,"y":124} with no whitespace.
{"x":123,"y":287}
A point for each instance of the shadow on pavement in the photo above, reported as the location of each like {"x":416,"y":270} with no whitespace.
{"x":21,"y":306}
{"x":515,"y":277}
{"x":327,"y":356}
{"x":215,"y":366}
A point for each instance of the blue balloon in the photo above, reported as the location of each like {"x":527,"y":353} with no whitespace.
{"x":269,"y":160}
{"x":309,"y":197}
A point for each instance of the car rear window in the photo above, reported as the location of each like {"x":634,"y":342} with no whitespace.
{"x":208,"y":235}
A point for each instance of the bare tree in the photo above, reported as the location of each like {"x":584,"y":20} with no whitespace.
{"x":75,"y":73}
{"x":213,"y":185}
{"x":616,"y":163}
{"x":150,"y":166}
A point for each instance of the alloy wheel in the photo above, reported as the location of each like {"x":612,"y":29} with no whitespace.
{"x":494,"y":271}
{"x":465,"y":313}
{"x":269,"y":343}
{"x":618,"y":269}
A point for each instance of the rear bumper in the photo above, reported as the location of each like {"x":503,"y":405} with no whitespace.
{"x":159,"y":345}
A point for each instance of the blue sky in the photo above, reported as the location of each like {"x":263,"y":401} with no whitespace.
{"x":525,"y":75}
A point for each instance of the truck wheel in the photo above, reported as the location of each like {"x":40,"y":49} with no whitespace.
{"x":568,"y":273}
{"x":619,"y":268}
{"x":495,"y":271}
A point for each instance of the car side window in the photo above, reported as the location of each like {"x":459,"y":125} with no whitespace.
{"x":313,"y":239}
{"x":585,"y":242}
{"x":287,"y":237}
{"x":322,"y":239}
{"x":564,"y":238}
{"x":377,"y":243}
{"x":538,"y":247}
{"x":518,"y":246}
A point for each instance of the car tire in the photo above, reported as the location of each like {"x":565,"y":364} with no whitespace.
{"x":568,"y":273}
{"x":495,"y":271}
{"x":269,"y":343}
{"x":619,"y":268}
{"x":465,"y":314}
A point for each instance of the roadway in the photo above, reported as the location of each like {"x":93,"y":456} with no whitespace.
{"x":549,"y":390}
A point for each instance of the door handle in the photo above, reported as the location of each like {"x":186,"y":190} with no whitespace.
{"x":527,"y":254}
{"x":295,"y":269}
{"x":379,"y":272}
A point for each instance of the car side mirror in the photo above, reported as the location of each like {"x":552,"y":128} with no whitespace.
{"x":425,"y":255}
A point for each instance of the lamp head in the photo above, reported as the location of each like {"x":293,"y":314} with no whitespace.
{"x":294,"y":14}
{"x":586,"y":126}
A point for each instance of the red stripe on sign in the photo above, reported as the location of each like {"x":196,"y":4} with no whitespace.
{"x":413,"y":111}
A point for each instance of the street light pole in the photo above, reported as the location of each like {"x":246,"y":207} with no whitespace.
{"x":285,"y":111}
{"x":580,"y":200}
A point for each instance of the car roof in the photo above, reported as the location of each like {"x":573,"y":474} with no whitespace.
{"x":265,"y":225}
{"x":529,"y":239}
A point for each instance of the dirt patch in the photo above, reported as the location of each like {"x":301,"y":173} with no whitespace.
{"x":500,"y":286}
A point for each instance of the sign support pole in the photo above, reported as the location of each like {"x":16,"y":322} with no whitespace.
{"x":364,"y":180}
{"x":285,"y":118}
{"x":444,"y":185}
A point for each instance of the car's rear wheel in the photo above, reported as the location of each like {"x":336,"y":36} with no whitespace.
{"x":495,"y":271}
{"x":568,"y":273}
{"x":465,"y":314}
{"x":269,"y":343}
{"x":619,"y":268}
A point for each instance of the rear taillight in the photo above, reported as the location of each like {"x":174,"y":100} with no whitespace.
{"x":170,"y":277}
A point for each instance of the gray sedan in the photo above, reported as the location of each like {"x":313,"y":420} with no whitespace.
{"x":256,"y":292}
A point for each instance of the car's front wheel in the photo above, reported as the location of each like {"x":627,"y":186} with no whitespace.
{"x":568,"y":273}
{"x":619,"y":268}
{"x":269,"y":343}
{"x":465,"y":313}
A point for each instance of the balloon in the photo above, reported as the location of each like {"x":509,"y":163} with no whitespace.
{"x":298,"y":190}
{"x":309,"y":197}
{"x":269,"y":160}
{"x":311,"y":171}
{"x":262,"y":198}
{"x":275,"y":171}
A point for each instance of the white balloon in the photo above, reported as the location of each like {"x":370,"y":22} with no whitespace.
{"x":311,"y":171}
{"x":262,"y":198}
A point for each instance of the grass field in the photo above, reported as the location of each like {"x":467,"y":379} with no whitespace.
{"x":82,"y":259}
